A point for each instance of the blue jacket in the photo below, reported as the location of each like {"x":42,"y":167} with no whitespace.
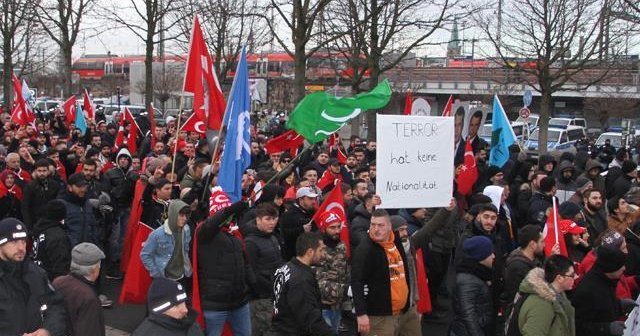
{"x":158,"y":248}
{"x":80,"y":220}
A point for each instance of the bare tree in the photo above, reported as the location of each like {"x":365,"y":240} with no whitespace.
{"x":378,"y":35}
{"x":573,"y":43}
{"x":15,"y":20}
{"x":300,"y":19}
{"x":61,"y":20}
{"x":150,"y":21}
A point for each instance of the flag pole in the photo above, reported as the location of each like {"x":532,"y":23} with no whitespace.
{"x":555,"y":218}
{"x":178,"y":128}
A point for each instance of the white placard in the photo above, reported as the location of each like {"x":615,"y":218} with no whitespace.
{"x":414,"y":161}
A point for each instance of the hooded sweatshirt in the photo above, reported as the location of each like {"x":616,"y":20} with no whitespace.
{"x":175,"y":266}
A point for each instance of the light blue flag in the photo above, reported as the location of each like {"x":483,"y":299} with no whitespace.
{"x":81,"y":123}
{"x":502,"y":135}
{"x":236,"y":155}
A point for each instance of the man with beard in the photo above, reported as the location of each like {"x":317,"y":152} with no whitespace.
{"x":37,"y":193}
{"x":526,"y":257}
{"x":29,"y":305}
{"x":80,"y":219}
{"x":333,"y":271}
{"x":594,"y":216}
{"x":297,"y":219}
{"x":352,"y":165}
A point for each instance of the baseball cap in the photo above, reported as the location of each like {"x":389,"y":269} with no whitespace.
{"x":306,"y":192}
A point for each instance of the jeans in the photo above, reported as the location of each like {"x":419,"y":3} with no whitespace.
{"x":332,"y":317}
{"x":239,"y":319}
{"x":118,"y":231}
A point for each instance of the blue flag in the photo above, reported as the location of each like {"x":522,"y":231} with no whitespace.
{"x":236,"y":155}
{"x":502,"y":135}
{"x":81,"y":124}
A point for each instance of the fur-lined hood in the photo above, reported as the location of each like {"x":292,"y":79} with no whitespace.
{"x":534,"y":283}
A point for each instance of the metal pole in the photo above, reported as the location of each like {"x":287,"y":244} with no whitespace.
{"x":178,"y":127}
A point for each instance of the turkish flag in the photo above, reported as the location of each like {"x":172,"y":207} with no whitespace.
{"x":132,"y":138}
{"x":408,"y":103}
{"x":447,"y":108}
{"x":20,"y":113}
{"x":424,"y":297}
{"x":551,"y":228}
{"x":194,"y":124}
{"x":87,"y":106}
{"x":132,"y":228}
{"x":137,"y":279}
{"x":334,"y":201}
{"x":152,"y":126}
{"x":69,"y":109}
{"x":289,"y":140}
{"x":468,"y":173}
{"x":200,"y":79}
{"x":329,"y":178}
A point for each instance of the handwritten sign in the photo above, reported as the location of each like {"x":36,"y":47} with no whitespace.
{"x":414,"y":161}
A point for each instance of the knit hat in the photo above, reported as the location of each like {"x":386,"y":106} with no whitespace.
{"x":611,"y":238}
{"x":547,"y":184}
{"x":397,"y":221}
{"x":327,"y":218}
{"x":55,"y":210}
{"x":568,"y":210}
{"x":582,"y":181}
{"x":86,"y":254}
{"x":165,"y":293}
{"x":628,"y":166}
{"x":477,"y":248}
{"x":12,"y":229}
{"x":610,"y":259}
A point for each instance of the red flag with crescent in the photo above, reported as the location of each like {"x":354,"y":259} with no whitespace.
{"x":194,"y":124}
{"x":468,"y":172}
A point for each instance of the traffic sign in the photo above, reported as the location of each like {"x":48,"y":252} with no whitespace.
{"x":524,"y":113}
{"x":527,"y":97}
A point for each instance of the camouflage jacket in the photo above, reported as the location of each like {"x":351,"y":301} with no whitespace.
{"x":333,"y":274}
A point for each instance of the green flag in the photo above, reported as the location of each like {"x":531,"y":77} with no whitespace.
{"x":319,"y":114}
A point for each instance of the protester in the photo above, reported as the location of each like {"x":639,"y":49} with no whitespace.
{"x":297,"y":219}
{"x":78,"y":288}
{"x":29,"y":303}
{"x":297,"y":305}
{"x":80,"y":219}
{"x":526,"y":257}
{"x":51,"y":243}
{"x":37,"y":193}
{"x":168,"y":312}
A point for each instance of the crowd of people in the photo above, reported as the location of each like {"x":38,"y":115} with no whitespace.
{"x":273,"y":264}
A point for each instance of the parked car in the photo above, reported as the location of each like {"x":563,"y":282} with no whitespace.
{"x":520,"y":130}
{"x":532,"y":121}
{"x":557,"y":138}
{"x":565,"y":122}
{"x":614,"y":137}
{"x":45,"y":105}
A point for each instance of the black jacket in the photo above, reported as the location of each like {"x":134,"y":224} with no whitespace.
{"x":538,"y":205}
{"x":298,"y":310}
{"x":10,"y":206}
{"x":163,"y":325}
{"x":80,"y":220}
{"x":359,"y":225}
{"x":222,"y":267}
{"x":596,"y":304}
{"x":621,"y":185}
{"x":264,"y":257}
{"x":517,"y":267}
{"x":36,"y":195}
{"x":370,"y":267}
{"x":51,"y":247}
{"x":120,"y":183}
{"x":473,"y":313}
{"x":24,"y":290}
{"x":291,"y":223}
{"x":596,"y":223}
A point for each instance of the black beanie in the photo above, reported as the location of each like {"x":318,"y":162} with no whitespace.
{"x":164,"y":294}
{"x":610,"y":259}
{"x":56,"y":210}
{"x":628,"y":166}
{"x":568,"y":210}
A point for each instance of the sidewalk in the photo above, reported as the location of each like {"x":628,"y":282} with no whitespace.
{"x":115,"y":332}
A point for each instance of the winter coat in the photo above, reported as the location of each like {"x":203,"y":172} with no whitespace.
{"x":297,"y":302}
{"x":596,"y":223}
{"x":596,"y":304}
{"x":10,"y":206}
{"x":24,"y":292}
{"x":359,"y":225}
{"x":83,"y":305}
{"x":621,"y":186}
{"x":622,"y":224}
{"x":563,"y":183}
{"x":633,"y":245}
{"x":264,"y":257}
{"x":291,"y":224}
{"x":160,"y":245}
{"x":162,"y":325}
{"x":80,"y":220}
{"x":120,"y":182}
{"x":51,"y":247}
{"x":517,"y":267}
{"x":370,"y":267}
{"x":544,"y":312}
{"x":36,"y":196}
{"x":598,"y":181}
{"x":333,"y":273}
{"x":472,"y":304}
{"x":222,"y":267}
{"x":625,"y":287}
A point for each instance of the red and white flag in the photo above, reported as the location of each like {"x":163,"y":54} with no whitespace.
{"x":134,"y":129}
{"x":88,"y":106}
{"x":408,"y":103}
{"x":137,"y":279}
{"x":69,"y":109}
{"x":468,"y":173}
{"x":20,"y":113}
{"x":334,"y":140}
{"x":335,"y":202}
{"x":447,"y":108}
{"x":552,"y":232}
{"x":201,"y":80}
{"x":289,"y":140}
{"x":194,"y":124}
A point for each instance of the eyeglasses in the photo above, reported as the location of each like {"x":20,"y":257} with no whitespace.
{"x":572,"y":275}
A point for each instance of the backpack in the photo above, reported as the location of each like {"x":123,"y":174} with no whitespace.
{"x":511,"y":327}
